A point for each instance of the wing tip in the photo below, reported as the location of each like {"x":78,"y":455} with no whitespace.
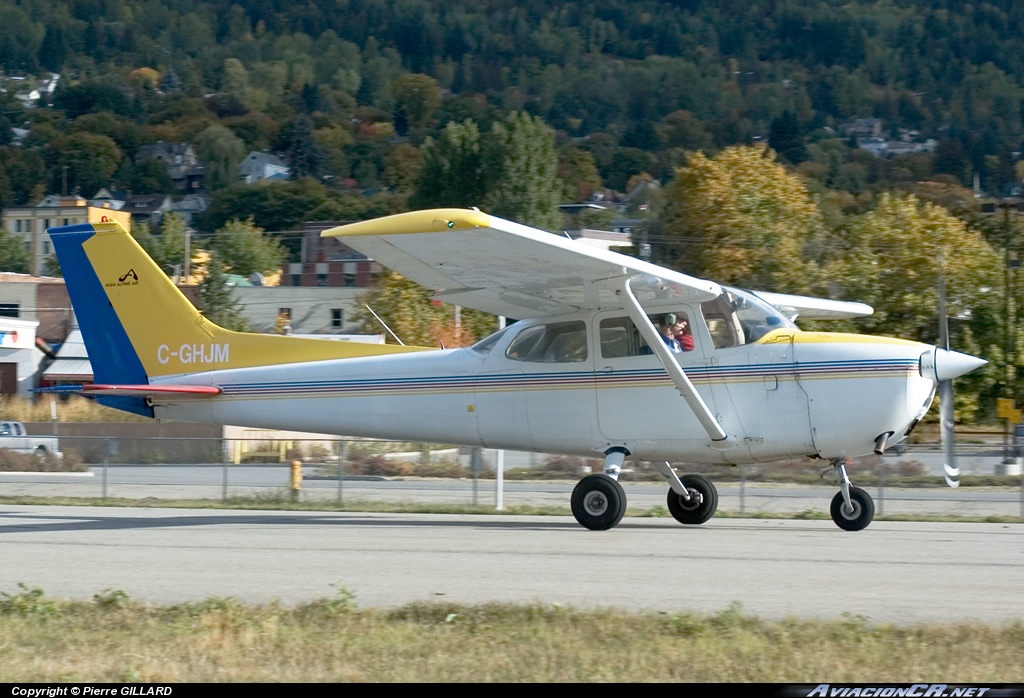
{"x":434,"y":220}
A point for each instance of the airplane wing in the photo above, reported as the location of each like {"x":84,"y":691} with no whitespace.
{"x":808,"y":308}
{"x":487,"y":263}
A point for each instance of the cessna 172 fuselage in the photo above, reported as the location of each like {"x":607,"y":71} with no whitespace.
{"x":589,"y":373}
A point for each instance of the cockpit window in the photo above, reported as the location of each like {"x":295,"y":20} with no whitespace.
{"x":485,"y":345}
{"x":739,"y":317}
{"x":558,"y":342}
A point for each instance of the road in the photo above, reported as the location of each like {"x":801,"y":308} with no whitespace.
{"x":207,"y":481}
{"x":892,"y":572}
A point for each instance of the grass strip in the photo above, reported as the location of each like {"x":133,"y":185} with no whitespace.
{"x":114,"y":638}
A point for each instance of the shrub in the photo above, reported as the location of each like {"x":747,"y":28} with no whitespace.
{"x":379,"y":465}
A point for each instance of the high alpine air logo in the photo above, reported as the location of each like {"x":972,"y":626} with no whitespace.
{"x":129,"y":278}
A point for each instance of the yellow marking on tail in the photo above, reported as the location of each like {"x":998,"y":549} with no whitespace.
{"x":171,"y":337}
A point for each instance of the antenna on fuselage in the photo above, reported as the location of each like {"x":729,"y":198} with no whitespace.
{"x":385,"y":326}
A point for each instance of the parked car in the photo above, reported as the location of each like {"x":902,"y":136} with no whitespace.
{"x":14,"y":437}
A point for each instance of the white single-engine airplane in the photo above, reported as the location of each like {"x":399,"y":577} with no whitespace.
{"x":588,"y":370}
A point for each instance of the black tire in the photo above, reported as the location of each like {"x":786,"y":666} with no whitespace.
{"x":863,"y":510}
{"x":695,"y":511}
{"x":598,"y":502}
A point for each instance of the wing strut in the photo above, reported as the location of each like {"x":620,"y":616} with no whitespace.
{"x":720,"y":441}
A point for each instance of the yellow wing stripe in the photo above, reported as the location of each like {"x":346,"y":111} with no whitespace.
{"x":436,"y":220}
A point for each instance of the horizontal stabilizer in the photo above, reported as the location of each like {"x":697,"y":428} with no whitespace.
{"x":809,"y":308}
{"x":164,"y":391}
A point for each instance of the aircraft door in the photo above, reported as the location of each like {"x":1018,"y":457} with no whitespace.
{"x":637,"y":402}
{"x":758,"y":366}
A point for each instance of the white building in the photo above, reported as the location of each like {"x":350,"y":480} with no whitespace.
{"x":309,"y":309}
{"x":30,"y":223}
{"x":19,"y":356}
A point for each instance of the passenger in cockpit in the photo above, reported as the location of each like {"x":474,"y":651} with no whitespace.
{"x":683,"y":334}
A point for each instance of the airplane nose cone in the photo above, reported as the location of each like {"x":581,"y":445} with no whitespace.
{"x":944,"y":365}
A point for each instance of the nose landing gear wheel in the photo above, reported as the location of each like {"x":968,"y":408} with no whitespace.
{"x":598,"y":502}
{"x":703,"y":500}
{"x":862,"y":514}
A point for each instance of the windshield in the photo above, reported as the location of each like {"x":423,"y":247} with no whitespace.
{"x":485,"y":345}
{"x":740,"y":317}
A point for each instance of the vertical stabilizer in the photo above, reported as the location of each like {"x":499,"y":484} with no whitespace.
{"x":138,"y":325}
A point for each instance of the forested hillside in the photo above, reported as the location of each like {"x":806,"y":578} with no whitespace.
{"x":644,"y":80}
{"x":746,"y":123}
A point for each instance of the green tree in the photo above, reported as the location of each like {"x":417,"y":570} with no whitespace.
{"x":333,"y":141}
{"x":221,"y":152}
{"x":740,"y":218}
{"x":150,"y":176}
{"x":408,"y":310}
{"x":242,"y":247}
{"x":577,"y":169}
{"x":417,"y":95}
{"x":172,"y":240}
{"x":523,"y":182}
{"x":235,"y":81}
{"x":91,"y":160}
{"x":681,"y":129}
{"x":272,"y":205}
{"x":13,"y":254}
{"x":305,"y":156}
{"x":216,"y":298}
{"x":402,"y":167}
{"x":453,"y":169}
{"x":890,"y":259}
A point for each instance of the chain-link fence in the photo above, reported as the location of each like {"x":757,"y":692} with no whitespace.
{"x":348,"y":471}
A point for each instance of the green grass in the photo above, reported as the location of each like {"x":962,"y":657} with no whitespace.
{"x":113,"y":638}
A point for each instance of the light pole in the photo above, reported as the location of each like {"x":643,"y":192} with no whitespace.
{"x":1011,"y":263}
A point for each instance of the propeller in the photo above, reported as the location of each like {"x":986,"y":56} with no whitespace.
{"x":952,"y":473}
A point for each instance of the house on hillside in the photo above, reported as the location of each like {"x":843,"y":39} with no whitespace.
{"x":259,"y":166}
{"x":148,"y":208}
{"x":183,"y":165}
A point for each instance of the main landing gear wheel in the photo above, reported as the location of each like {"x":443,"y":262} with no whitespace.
{"x":862,"y":514}
{"x":598,"y":502}
{"x":703,"y":500}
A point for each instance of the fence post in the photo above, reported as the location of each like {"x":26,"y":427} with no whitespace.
{"x":341,"y":471}
{"x":224,"y":482}
{"x":296,"y":480}
{"x":106,"y":463}
{"x":475,"y":463}
{"x":881,"y":486}
{"x":499,"y":480}
{"x":743,"y":488}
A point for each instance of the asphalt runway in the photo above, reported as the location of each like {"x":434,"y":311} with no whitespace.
{"x":891,"y":572}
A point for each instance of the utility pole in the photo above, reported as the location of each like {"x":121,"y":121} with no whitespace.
{"x":1011,"y":262}
{"x":188,"y":254}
